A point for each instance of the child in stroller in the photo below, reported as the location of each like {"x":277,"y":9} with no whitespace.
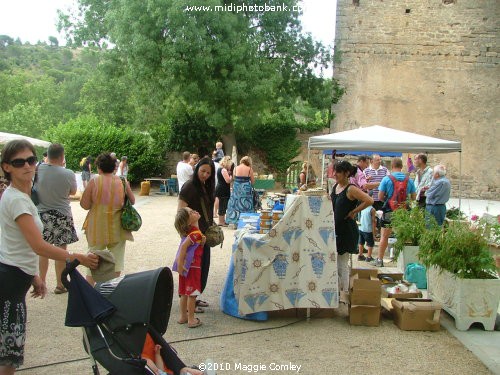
{"x":116,"y":327}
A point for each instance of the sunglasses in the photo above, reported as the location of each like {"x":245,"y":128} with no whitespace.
{"x":19,"y":163}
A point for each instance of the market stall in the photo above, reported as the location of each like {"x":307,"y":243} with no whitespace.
{"x":293,"y":266}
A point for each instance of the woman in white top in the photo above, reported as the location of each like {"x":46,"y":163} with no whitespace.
{"x":21,"y":243}
{"x":123,"y":168}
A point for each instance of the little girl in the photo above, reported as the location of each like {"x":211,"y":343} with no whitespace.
{"x":188,"y":263}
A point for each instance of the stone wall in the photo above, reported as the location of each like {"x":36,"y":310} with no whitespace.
{"x":429,"y":67}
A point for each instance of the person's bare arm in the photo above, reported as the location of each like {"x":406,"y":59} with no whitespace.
{"x":34,"y":238}
{"x":86,"y":200}
{"x":129,"y":192}
{"x":381,"y":196}
{"x":226,"y":176}
{"x":355,"y":193}
{"x":252,"y":177}
{"x":181,"y":204}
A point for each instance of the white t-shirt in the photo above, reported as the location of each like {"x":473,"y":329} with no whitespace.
{"x":184,"y":173}
{"x":14,"y":249}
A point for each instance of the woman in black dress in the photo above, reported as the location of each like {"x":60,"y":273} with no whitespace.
{"x":347,"y":201}
{"x":198,"y":193}
{"x":223,"y":189}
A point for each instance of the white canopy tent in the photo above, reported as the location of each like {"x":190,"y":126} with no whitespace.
{"x":378,"y":138}
{"x":6,"y":137}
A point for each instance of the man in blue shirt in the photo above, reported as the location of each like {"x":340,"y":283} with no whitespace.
{"x":386,"y":189}
{"x":438,"y":194}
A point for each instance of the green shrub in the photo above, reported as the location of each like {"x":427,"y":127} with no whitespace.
{"x":87,"y":136}
{"x":457,"y":249}
{"x":408,"y":225}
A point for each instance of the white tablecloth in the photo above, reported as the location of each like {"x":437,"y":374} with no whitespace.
{"x":294,"y":266}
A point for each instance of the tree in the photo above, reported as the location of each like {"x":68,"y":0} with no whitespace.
{"x":232,"y":66}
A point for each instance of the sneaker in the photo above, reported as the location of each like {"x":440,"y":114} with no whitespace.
{"x":361,"y":257}
{"x":369,"y":259}
{"x":378,"y":263}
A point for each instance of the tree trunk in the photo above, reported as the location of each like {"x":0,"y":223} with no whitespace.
{"x":229,"y":141}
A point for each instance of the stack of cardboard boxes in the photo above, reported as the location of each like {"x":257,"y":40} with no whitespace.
{"x":364,"y":297}
{"x":410,"y":312}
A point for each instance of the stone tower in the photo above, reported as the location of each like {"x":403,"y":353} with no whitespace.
{"x":429,"y":67}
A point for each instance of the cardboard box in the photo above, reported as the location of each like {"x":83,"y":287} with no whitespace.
{"x":386,"y":304}
{"x":364,"y":315}
{"x":364,"y":273}
{"x":416,"y":314}
{"x":365,"y":292}
{"x":386,"y":294}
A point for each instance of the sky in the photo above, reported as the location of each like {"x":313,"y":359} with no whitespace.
{"x":34,"y":20}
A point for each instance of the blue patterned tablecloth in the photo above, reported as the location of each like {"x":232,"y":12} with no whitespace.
{"x":293,"y":266}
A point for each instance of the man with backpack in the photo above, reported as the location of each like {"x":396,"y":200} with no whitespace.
{"x":395,"y":191}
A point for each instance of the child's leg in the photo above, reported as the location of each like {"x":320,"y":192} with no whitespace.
{"x":158,"y":359}
{"x":183,"y":306}
{"x":370,"y":243}
{"x":191,"y":305}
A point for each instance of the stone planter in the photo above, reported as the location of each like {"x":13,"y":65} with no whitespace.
{"x":467,"y":300}
{"x":407,"y":256}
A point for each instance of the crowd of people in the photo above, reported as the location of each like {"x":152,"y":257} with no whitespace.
{"x":376,"y":188}
{"x":211,"y":187}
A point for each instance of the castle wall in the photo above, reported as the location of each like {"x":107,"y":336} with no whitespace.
{"x":429,"y":67}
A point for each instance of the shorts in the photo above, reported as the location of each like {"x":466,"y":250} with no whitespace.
{"x":85,"y":176}
{"x":190,"y":285}
{"x":223,"y":201}
{"x":15,"y":285}
{"x":118,"y":250}
{"x":58,"y":229}
{"x":366,"y":237}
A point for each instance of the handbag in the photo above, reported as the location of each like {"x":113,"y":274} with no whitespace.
{"x":214,"y":233}
{"x":130,"y":218}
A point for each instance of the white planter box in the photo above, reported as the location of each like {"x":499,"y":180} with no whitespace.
{"x":467,"y":300}
{"x":407,"y":256}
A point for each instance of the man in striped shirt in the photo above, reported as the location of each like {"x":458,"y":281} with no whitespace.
{"x":374,"y":174}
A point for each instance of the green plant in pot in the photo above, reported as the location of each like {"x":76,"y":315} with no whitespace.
{"x":459,"y":250}
{"x":408,"y":225}
{"x":461,"y":274}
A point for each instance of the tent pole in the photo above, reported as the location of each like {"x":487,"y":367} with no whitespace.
{"x":308,"y":162}
{"x":460,"y":183}
{"x":322,"y":168}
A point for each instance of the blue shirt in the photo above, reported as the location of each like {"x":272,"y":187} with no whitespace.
{"x":365,"y":220}
{"x":439,"y":191}
{"x":387,"y":186}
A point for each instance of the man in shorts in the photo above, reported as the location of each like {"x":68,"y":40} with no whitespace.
{"x":54,"y":185}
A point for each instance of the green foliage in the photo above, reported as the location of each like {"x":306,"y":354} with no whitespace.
{"x":191,"y":132}
{"x":459,"y":250}
{"x":454,"y":213}
{"x":409,"y":226}
{"x":86,"y":135}
{"x":277,"y":140}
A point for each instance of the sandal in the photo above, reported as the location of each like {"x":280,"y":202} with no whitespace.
{"x":198,"y":310}
{"x":60,"y":290}
{"x":197,"y":324}
{"x":201,"y":303}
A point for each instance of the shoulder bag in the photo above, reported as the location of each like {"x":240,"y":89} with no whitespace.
{"x":130,"y":218}
{"x":214,"y":233}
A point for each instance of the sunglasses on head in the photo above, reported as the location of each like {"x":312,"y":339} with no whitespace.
{"x":19,"y":163}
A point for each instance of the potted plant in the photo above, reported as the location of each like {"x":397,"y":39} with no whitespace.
{"x":461,"y":274}
{"x":408,"y":226}
{"x":489,"y":227}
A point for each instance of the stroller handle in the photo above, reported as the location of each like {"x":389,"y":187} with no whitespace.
{"x":70,"y":266}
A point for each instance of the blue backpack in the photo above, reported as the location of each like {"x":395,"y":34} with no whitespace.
{"x":415,"y":273}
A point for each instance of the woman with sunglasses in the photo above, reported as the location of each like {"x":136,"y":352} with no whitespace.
{"x":21,"y":243}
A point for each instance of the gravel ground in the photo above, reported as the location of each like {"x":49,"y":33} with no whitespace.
{"x":319,"y":345}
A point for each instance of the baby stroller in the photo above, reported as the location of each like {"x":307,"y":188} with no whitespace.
{"x":117,"y":314}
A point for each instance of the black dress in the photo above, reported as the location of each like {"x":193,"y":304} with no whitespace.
{"x":223,"y":189}
{"x":192,"y":196}
{"x":346,"y":229}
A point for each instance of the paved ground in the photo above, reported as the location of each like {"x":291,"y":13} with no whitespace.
{"x":319,"y":345}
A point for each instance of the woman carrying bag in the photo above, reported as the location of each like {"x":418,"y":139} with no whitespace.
{"x":198,"y":193}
